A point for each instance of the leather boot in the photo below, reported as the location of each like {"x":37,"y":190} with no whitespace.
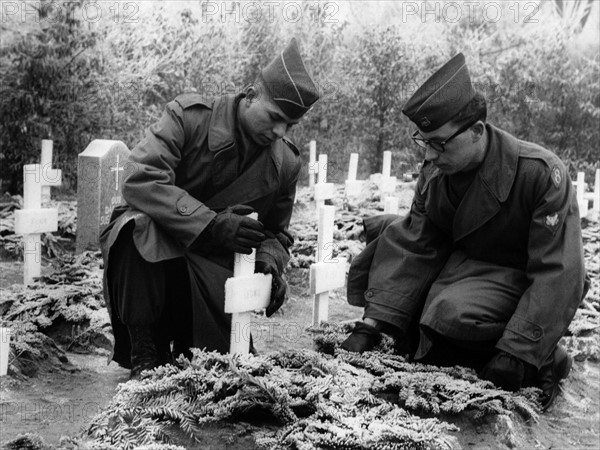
{"x":363,"y":338}
{"x":555,"y":368}
{"x":144,"y":352}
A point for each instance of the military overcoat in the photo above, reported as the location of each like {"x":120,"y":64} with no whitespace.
{"x":185,"y":170}
{"x":519,"y":212}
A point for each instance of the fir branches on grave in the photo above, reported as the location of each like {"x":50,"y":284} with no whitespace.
{"x":318,"y":402}
{"x":66,"y":307}
{"x":428,"y":389}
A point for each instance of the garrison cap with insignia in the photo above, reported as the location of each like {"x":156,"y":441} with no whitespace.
{"x":442,"y":96}
{"x":288,"y":82}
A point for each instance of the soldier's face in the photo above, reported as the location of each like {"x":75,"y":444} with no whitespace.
{"x":263,"y":120}
{"x":461,"y":153}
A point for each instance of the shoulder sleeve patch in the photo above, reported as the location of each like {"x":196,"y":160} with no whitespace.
{"x":556,"y":176}
{"x":291,"y":145}
{"x":551,"y":221}
{"x":188,"y":100}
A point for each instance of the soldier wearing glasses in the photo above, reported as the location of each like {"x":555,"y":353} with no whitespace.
{"x":487,"y":269}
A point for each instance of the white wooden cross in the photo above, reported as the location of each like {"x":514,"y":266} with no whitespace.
{"x":313,"y":167}
{"x":353,"y":186}
{"x":327,"y":273}
{"x":391,"y":205}
{"x":245,"y":292}
{"x":583,"y":197}
{"x":388,"y":183}
{"x":46,"y":161}
{"x":32,"y":220}
{"x":116,"y":170}
{"x":4,"y":350}
{"x":323,"y":189}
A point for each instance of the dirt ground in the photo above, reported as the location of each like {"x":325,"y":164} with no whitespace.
{"x":60,"y":402}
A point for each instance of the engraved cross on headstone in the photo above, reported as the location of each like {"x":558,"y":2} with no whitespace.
{"x":116,"y":170}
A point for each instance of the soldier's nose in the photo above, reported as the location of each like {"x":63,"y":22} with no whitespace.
{"x":431,"y":155}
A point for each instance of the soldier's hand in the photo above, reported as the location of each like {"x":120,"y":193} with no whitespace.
{"x":232,"y":230}
{"x":363,"y":338}
{"x":278,"y":286}
{"x":505,"y":371}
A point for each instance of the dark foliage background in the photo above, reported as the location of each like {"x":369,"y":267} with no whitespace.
{"x":72,"y":79}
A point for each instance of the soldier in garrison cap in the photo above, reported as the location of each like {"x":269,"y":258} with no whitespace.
{"x":200,"y":170}
{"x":487,"y":269}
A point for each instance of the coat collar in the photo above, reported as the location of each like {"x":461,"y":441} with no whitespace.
{"x":499,"y":167}
{"x":492,"y":184}
{"x":261,"y":178}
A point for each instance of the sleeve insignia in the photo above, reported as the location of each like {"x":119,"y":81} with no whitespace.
{"x":551,"y":221}
{"x":556,"y":176}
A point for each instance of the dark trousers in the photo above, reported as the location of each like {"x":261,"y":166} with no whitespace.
{"x":149,"y":294}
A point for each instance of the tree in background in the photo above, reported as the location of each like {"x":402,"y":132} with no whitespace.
{"x":73,"y":82}
{"x":45,"y":83}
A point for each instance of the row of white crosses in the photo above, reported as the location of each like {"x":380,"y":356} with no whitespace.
{"x":583,"y":197}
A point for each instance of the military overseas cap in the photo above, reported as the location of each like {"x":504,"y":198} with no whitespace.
{"x":288,"y":82}
{"x":442,"y":96}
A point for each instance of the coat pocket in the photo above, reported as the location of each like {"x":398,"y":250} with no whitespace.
{"x":187,"y":205}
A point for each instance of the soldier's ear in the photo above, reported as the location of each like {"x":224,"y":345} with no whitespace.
{"x":478,"y":129}
{"x":251,"y":93}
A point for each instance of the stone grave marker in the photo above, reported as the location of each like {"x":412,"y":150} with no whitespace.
{"x":101,"y":170}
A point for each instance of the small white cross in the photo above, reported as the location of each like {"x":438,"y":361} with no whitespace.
{"x":116,"y":170}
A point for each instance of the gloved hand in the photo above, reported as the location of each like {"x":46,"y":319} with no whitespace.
{"x":278,"y":286}
{"x":363,"y":338}
{"x":505,"y":371}
{"x":232,"y":231}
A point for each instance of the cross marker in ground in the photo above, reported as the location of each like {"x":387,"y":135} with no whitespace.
{"x":327,"y":273}
{"x":353,"y":186}
{"x":245,"y":292}
{"x":32,"y":220}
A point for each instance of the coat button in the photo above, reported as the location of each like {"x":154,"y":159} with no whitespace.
{"x":183,"y":208}
{"x":537,"y":334}
{"x":369,"y":293}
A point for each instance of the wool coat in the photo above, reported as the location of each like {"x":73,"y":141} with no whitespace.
{"x":510,"y":250}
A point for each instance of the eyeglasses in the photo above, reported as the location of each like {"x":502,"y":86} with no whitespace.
{"x":438,"y":146}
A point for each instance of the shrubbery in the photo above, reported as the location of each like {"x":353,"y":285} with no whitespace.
{"x":73,"y":81}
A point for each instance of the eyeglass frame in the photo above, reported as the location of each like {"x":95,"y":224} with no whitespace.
{"x":426,"y":143}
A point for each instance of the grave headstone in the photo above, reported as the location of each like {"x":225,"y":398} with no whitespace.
{"x":101,"y":170}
